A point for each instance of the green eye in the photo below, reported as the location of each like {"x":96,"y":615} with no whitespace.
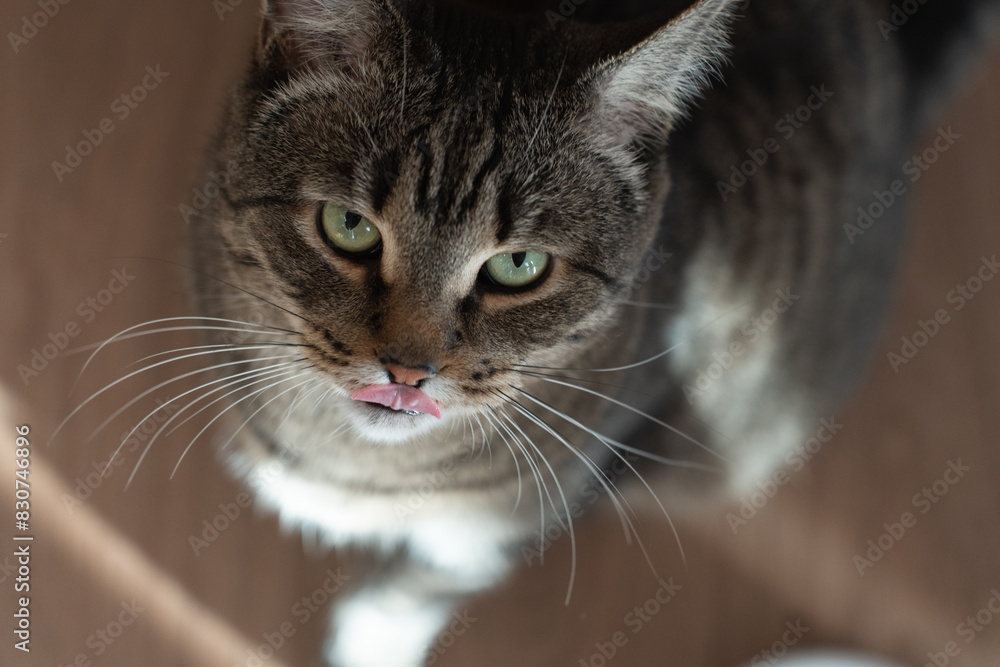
{"x":517,"y":269}
{"x":348,"y":231}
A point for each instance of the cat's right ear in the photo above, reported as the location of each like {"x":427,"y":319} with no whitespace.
{"x":334,"y":34}
{"x":644,"y":91}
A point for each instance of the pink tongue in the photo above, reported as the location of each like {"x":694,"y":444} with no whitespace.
{"x":398,"y":397}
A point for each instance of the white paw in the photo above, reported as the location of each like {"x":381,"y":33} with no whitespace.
{"x":825,"y":659}
{"x":384,"y":629}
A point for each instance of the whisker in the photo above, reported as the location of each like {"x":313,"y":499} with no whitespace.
{"x":120,"y":334}
{"x":402,"y":105}
{"x":601,"y":477}
{"x":118,"y":338}
{"x":654,"y":306}
{"x":601,"y":439}
{"x":644,"y":361}
{"x":268,"y":370}
{"x":606,"y":370}
{"x":285,"y":369}
{"x":257,"y":411}
{"x":220,"y":280}
{"x":472,"y":452}
{"x":206,"y":427}
{"x":559,"y":489}
{"x":540,"y":484}
{"x":322,"y":397}
{"x":316,"y":384}
{"x":566,"y":377}
{"x":588,"y":462}
{"x":517,"y":465}
{"x":530,"y":457}
{"x":220,"y":347}
{"x":678,"y":463}
{"x":149,"y":391}
{"x":358,"y":116}
{"x":486,"y":442}
{"x":640,"y":413}
{"x":545,"y":112}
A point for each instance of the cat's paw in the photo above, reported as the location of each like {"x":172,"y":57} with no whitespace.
{"x":382,"y":629}
{"x":830,"y":659}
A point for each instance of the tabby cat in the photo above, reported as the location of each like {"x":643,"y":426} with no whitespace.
{"x":470,"y":236}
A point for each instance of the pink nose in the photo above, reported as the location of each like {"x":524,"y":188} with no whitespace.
{"x":409,"y":376}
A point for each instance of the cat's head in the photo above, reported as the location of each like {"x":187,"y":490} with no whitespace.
{"x":435,"y":200}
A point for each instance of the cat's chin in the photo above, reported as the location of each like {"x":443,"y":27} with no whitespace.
{"x":384,"y":425}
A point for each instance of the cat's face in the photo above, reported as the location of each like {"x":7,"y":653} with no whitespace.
{"x":436,"y":205}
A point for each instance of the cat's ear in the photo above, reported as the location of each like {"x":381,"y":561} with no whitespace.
{"x":329,"y":32}
{"x":644,"y":91}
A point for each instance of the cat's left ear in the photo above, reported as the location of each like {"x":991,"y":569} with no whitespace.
{"x":331,"y":32}
{"x":644,"y":91}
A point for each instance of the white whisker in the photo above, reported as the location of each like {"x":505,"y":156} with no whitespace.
{"x":536,"y":472}
{"x":654,"y":306}
{"x":605,"y":442}
{"x":256,"y":371}
{"x":559,"y":489}
{"x":120,"y":334}
{"x":206,"y":427}
{"x":517,"y":465}
{"x":148,"y":391}
{"x":638,"y":363}
{"x":639,"y":412}
{"x":545,"y":112}
{"x":217,"y":348}
{"x":257,"y":377}
{"x":142,"y":395}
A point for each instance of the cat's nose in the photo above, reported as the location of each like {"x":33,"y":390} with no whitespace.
{"x":411,"y":376}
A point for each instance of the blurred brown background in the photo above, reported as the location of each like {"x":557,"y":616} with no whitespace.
{"x":98,"y":546}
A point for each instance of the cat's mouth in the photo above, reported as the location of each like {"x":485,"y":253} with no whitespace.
{"x":399,"y":398}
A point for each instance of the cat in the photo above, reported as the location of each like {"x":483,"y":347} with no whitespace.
{"x":469,"y":235}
